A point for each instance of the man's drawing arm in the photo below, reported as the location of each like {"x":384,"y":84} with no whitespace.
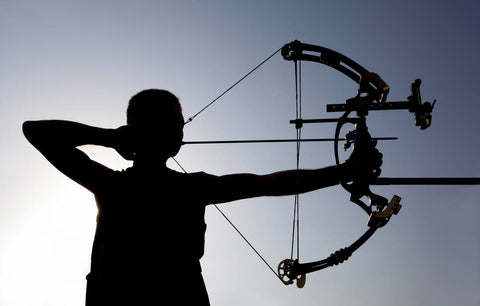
{"x":59,"y":140}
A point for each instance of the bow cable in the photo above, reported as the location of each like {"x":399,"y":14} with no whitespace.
{"x":228,"y":89}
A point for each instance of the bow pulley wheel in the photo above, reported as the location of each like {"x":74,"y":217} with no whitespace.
{"x":287,"y":274}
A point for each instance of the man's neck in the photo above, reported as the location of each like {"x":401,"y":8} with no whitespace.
{"x":148,"y":162}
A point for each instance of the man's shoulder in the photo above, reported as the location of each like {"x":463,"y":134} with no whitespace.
{"x":165,"y":173}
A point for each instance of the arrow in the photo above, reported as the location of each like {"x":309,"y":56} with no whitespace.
{"x":271,"y":140}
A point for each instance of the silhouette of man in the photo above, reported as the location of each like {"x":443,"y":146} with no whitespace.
{"x":150,"y":224}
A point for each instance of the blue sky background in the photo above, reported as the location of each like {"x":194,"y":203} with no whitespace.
{"x":83,"y":60}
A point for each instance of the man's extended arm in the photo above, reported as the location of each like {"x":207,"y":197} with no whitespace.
{"x":233,"y":187}
{"x":359,"y":165}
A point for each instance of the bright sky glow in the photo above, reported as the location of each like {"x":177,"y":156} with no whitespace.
{"x":83,"y":60}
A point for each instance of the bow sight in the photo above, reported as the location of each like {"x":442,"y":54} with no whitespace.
{"x":363,"y":104}
{"x":423,"y":117}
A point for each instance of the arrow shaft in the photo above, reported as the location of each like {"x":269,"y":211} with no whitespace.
{"x":272,"y":140}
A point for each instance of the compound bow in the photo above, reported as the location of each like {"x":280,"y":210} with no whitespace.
{"x":371,"y":96}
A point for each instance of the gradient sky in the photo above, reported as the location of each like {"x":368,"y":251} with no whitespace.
{"x":83,"y":60}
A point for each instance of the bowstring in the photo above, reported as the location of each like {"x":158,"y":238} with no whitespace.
{"x":215,"y":205}
{"x":235,"y":84}
{"x":298,"y":117}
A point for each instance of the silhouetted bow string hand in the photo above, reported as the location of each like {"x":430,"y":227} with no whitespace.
{"x":362,"y":168}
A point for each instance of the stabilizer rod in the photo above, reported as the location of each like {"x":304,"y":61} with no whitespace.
{"x":426,"y":181}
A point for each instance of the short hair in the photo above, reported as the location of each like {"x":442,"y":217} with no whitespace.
{"x":147,"y":102}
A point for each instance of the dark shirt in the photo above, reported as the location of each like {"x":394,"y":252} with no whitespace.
{"x":149,"y":239}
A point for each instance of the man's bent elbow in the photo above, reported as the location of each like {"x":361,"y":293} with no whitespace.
{"x":33,"y":132}
{"x":28,"y":127}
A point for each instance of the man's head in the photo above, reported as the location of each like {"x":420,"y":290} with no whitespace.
{"x":156,"y":118}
